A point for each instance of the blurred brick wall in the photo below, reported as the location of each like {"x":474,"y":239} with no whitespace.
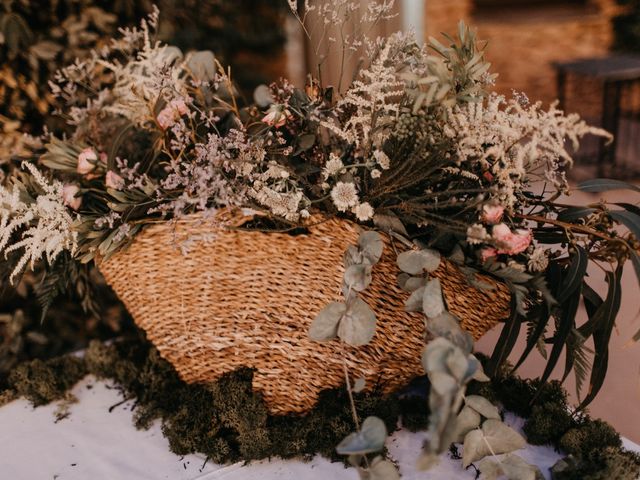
{"x":524,"y":42}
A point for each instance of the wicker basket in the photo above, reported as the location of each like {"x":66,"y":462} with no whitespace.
{"x":246,"y":298}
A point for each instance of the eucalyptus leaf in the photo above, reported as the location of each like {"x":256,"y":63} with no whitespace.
{"x":442,"y":383}
{"x":432,"y":301}
{"x":202,"y":65}
{"x":389,"y":222}
{"x":415,"y":262}
{"x":511,"y":466}
{"x":371,"y":246}
{"x":369,"y":439}
{"x":414,"y":283}
{"x":414,"y":302}
{"x":483,"y":406}
{"x":358,"y":385}
{"x":358,"y":323}
{"x":325,"y":326}
{"x":358,"y":277}
{"x":262,"y":96}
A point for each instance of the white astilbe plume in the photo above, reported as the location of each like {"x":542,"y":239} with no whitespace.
{"x":516,"y":142}
{"x":372,"y":100}
{"x":43,"y":226}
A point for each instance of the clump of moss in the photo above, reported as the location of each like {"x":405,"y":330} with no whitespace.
{"x":609,"y":463}
{"x":42,"y":382}
{"x":547,"y":423}
{"x":590,"y":435}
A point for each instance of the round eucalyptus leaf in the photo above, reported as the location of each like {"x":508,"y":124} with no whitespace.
{"x":325,"y":326}
{"x":358,"y":277}
{"x":432,"y":301}
{"x":358,"y":324}
{"x":414,"y":283}
{"x":457,"y":364}
{"x":435,"y":354}
{"x":402,"y":280}
{"x":415,"y":262}
{"x":202,"y":65}
{"x":442,"y":383}
{"x":262,"y":96}
{"x":352,"y":256}
{"x":371,"y":246}
{"x":369,"y":439}
{"x":358,"y":385}
{"x":494,"y":438}
{"x":414,"y":302}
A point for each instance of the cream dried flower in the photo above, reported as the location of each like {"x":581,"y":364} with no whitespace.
{"x":333,"y":166}
{"x":344,"y":196}
{"x":477,"y":234}
{"x":382,"y":159}
{"x":538,"y":260}
{"x":375,"y":173}
{"x":363,"y":212}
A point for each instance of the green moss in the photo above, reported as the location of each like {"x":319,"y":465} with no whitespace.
{"x":590,"y":435}
{"x":42,"y":382}
{"x":547,"y":423}
{"x":227,"y":421}
{"x":608,"y":463}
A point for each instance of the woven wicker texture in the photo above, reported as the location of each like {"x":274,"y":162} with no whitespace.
{"x":247,"y":298}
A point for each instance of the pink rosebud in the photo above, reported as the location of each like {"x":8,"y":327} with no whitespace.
{"x":487,"y":253}
{"x":277,"y":116}
{"x":85,"y":161}
{"x":171,"y":113}
{"x":488,"y":176}
{"x":492,"y":214}
{"x":103,"y":157}
{"x":113,"y":180}
{"x":69,"y":196}
{"x":509,"y":242}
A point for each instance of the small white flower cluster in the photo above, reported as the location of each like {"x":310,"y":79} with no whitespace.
{"x":44,"y":225}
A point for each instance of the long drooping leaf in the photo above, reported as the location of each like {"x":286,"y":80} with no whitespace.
{"x":564,"y":325}
{"x":606,"y":315}
{"x":592,"y":302}
{"x":635,"y":260}
{"x":629,"y":207}
{"x":574,"y":213}
{"x":628,"y":219}
{"x":575,"y":274}
{"x":507,"y":340}
{"x":540,"y":314}
{"x":605,"y":184}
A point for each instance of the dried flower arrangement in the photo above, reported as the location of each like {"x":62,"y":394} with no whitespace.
{"x":416,"y":147}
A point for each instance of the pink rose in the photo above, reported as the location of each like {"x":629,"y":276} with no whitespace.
{"x":69,"y":196}
{"x":487,"y":253}
{"x":492,"y":214}
{"x":85,"y":161}
{"x":171,"y":113}
{"x":103,"y":157}
{"x":113,"y":180}
{"x":277,"y":116}
{"x":488,"y":176}
{"x":509,"y":242}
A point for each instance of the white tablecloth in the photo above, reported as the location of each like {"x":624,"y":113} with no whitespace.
{"x":94,"y":444}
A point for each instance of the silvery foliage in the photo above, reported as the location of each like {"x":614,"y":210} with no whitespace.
{"x":352,"y":320}
{"x":450,"y":366}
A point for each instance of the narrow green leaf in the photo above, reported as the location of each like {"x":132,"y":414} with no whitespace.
{"x":605,"y":184}
{"x":574,"y":213}
{"x":506,"y":341}
{"x":606,"y":315}
{"x":575,"y":273}
{"x":628,"y":219}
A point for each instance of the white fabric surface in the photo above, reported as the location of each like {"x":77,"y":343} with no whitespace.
{"x":95,"y":444}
